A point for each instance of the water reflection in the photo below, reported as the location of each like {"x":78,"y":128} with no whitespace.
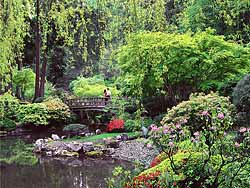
{"x":63,"y":173}
{"x":49,"y":172}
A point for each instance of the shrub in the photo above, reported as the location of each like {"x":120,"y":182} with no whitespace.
{"x":35,"y":114}
{"x":7,"y":124}
{"x":9,"y":106}
{"x":191,"y":113}
{"x":115,"y":125}
{"x":57,"y":110}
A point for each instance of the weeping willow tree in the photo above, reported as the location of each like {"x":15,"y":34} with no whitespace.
{"x":14,"y":27}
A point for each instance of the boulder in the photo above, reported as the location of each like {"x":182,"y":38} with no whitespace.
{"x":111,"y":143}
{"x":75,"y":129}
{"x":87,"y":146}
{"x":98,"y":131}
{"x":74,"y":146}
{"x":55,"y":137}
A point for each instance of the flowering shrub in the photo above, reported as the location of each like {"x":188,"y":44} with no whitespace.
{"x":191,"y":113}
{"x":158,"y":159}
{"x":145,"y":180}
{"x":115,"y":125}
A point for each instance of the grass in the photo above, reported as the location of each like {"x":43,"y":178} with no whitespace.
{"x":99,"y":137}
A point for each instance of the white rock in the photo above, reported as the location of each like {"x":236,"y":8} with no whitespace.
{"x":55,"y":137}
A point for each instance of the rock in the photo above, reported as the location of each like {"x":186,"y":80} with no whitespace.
{"x":111,"y":143}
{"x":75,"y":129}
{"x":124,"y":137}
{"x":98,"y":131}
{"x":110,"y":151}
{"x":87,"y":146}
{"x":94,"y":153}
{"x":49,"y":153}
{"x":63,"y":137}
{"x":55,"y":137}
{"x":88,"y":134}
{"x":144,"y":131}
{"x":74,"y":146}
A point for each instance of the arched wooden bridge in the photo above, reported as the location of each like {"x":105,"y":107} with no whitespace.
{"x":89,"y":103}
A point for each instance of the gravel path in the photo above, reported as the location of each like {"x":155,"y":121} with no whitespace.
{"x":135,"y":150}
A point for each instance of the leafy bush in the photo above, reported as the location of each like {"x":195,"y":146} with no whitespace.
{"x":9,"y":106}
{"x":57,"y":110}
{"x":191,"y":113}
{"x":178,"y":64}
{"x":7,"y":124}
{"x":89,"y":87}
{"x":35,"y":114}
{"x":129,"y":125}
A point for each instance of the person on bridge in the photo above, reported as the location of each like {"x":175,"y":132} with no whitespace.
{"x":105,"y":96}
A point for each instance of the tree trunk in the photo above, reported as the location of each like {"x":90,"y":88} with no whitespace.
{"x":43,"y":77}
{"x":37,"y":88}
{"x":18,"y":88}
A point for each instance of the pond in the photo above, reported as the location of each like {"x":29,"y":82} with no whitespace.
{"x":20,"y":168}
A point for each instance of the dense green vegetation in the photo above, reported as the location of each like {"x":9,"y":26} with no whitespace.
{"x":194,"y":55}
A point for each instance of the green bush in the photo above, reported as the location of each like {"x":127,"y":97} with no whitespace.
{"x":35,"y":114}
{"x":178,"y":64}
{"x":9,"y":106}
{"x":7,"y":124}
{"x":57,"y":110}
{"x":192,"y":112}
{"x":91,"y":87}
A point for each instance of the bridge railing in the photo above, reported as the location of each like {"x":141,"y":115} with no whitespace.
{"x":88,"y":102}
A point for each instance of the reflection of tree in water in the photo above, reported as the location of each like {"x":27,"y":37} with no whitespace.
{"x":16,"y":151}
{"x":54,"y":172}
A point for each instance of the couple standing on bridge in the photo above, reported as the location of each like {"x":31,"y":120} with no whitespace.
{"x":107,"y":94}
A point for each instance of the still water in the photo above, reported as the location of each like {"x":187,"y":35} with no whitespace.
{"x":20,"y":168}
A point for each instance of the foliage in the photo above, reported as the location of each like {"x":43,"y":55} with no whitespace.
{"x":18,"y":153}
{"x":7,"y":124}
{"x":177,"y":64}
{"x":13,"y":30}
{"x":218,"y":161}
{"x":135,"y":125}
{"x":35,"y":114}
{"x":229,"y":18}
{"x":9,"y":105}
{"x":115,"y":125}
{"x":191,"y":113}
{"x":88,"y":87}
{"x":57,"y":110}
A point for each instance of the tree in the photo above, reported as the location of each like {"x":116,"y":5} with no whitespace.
{"x":178,"y":64}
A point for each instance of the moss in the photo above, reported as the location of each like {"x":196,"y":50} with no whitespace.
{"x":69,"y":154}
{"x":94,"y":153}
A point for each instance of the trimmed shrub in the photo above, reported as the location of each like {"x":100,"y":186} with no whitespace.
{"x":57,"y":110}
{"x":7,"y":124}
{"x":9,"y":106}
{"x":35,"y":114}
{"x":191,"y":113}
